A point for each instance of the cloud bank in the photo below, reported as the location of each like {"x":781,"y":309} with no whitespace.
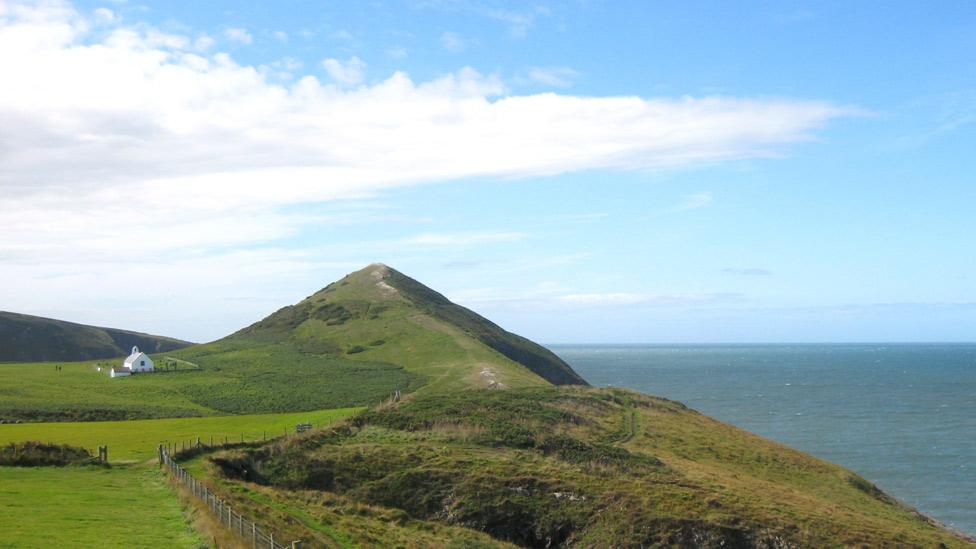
{"x":105,"y":124}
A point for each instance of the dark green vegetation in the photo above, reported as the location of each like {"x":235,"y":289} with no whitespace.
{"x":558,"y":467}
{"x":39,"y":454}
{"x":25,"y":338}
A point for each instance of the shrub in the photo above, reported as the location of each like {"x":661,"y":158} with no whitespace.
{"x":36,"y":454}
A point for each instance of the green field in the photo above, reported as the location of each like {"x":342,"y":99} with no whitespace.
{"x":249,"y":379}
{"x":91,"y":507}
{"x":137,"y":439}
{"x":128,"y":504}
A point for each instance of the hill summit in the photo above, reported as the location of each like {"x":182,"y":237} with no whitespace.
{"x":381,"y":314}
{"x":357,"y":341}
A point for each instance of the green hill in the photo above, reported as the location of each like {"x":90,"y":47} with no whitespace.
{"x":358,"y":340}
{"x":351,"y":344}
{"x":26,"y":338}
{"x":379,"y":313}
{"x":553,"y":467}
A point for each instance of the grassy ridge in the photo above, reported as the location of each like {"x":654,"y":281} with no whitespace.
{"x":26,"y":338}
{"x":573,"y":466}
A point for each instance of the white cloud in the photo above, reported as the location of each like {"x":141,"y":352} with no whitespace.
{"x":519,"y":22}
{"x":204,"y":43}
{"x":238,"y":35}
{"x":557,"y":299}
{"x":462,"y":239}
{"x":647,"y":300}
{"x":102,"y":131}
{"x":453,"y":42}
{"x":105,"y":16}
{"x":557,"y":77}
{"x":280,"y":36}
{"x":350,"y":72}
{"x":694,"y":201}
{"x":691,"y":202}
{"x":748,"y":271}
{"x":397,"y":52}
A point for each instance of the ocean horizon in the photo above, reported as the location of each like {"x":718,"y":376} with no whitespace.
{"x":903,"y":415}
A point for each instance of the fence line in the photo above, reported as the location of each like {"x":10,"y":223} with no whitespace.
{"x":247,"y":529}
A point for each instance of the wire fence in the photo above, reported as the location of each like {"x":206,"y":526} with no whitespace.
{"x":257,"y":536}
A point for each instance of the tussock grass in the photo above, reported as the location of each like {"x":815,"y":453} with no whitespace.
{"x":573,"y":467}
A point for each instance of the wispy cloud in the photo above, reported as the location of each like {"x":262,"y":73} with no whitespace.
{"x":647,"y":300}
{"x":519,"y":21}
{"x":241,"y":36}
{"x":556,"y":77}
{"x":453,"y":42}
{"x":694,"y":201}
{"x":397,"y":52}
{"x":747,"y":271}
{"x":690,"y":202}
{"x":552,"y":297}
{"x":462,"y":239}
{"x":349,"y":72}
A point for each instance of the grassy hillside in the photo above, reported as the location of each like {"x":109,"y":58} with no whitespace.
{"x":351,"y":344}
{"x":562,"y":466}
{"x":25,"y":338}
{"x":380,"y":314}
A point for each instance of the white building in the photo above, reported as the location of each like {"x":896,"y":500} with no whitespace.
{"x":135,"y":362}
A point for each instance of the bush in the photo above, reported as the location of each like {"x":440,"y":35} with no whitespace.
{"x":38,"y":454}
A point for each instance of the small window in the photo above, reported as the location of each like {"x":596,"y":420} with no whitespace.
{"x":142,"y":362}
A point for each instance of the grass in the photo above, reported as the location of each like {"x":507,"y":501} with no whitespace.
{"x":243,"y":379}
{"x":569,"y":466}
{"x":91,"y":507}
{"x":129,"y":504}
{"x":137,"y":439}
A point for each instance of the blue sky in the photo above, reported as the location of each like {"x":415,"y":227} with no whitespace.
{"x":578,"y":172}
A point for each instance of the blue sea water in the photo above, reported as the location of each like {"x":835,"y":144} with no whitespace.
{"x":901,"y":415}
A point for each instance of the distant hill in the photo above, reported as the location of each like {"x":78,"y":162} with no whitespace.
{"x":378,"y":313}
{"x":26,"y":338}
{"x":353,"y":343}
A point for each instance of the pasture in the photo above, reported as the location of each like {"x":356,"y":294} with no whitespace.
{"x":129,"y":504}
{"x":244,"y":379}
{"x":136,"y":439}
{"x":91,"y":507}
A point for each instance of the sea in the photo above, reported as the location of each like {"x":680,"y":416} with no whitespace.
{"x":901,"y":415}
